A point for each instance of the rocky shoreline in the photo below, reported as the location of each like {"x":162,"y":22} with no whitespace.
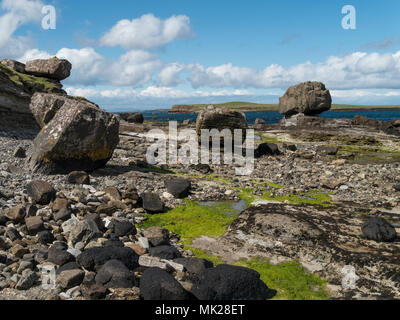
{"x":323,"y":193}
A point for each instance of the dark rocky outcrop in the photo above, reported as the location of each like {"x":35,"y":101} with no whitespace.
{"x":157,"y":284}
{"x":114,"y":274}
{"x":227,"y":282}
{"x":92,"y":259}
{"x":379,"y":229}
{"x":309,"y":98}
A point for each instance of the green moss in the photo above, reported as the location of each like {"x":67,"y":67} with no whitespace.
{"x":314,"y":197}
{"x":203,"y":255}
{"x":289,"y":279}
{"x":29,"y":82}
{"x":194,"y":220}
{"x":266,"y":138}
{"x":217,"y":178}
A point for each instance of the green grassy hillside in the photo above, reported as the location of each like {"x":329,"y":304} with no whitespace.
{"x":249,"y":106}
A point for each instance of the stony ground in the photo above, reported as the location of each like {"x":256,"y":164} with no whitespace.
{"x":308,"y":203}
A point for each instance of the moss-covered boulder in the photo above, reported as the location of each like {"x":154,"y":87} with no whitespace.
{"x":16,"y":89}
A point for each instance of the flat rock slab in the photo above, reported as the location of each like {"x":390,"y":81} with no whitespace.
{"x":322,"y":239}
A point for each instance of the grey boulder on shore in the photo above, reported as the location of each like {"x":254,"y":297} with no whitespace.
{"x":310,"y":98}
{"x":221,"y":119}
{"x":75,"y":136}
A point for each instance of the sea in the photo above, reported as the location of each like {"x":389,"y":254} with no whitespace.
{"x":275,"y":117}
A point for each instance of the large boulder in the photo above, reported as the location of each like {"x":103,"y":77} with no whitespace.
{"x":54,"y":68}
{"x":157,"y":284}
{"x":309,"y":98}
{"x":92,"y":259}
{"x":226,"y":282}
{"x":221,"y":119}
{"x":80,"y":137}
{"x":44,"y":106}
{"x":114,"y":274}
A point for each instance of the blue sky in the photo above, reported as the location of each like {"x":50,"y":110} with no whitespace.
{"x":153,"y":54}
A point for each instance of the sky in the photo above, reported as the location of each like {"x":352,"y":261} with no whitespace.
{"x":139,"y":55}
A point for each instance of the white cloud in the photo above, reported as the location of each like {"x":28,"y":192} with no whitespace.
{"x":152,"y":92}
{"x":134,"y":68}
{"x":170,"y":74}
{"x":88,"y":66}
{"x":147,"y":32}
{"x":19,"y":12}
{"x":355,"y":70}
{"x":33,"y":54}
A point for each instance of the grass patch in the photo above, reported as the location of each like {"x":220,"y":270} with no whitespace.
{"x":268,"y":139}
{"x":289,"y":279}
{"x":314,"y":197}
{"x":194,"y":220}
{"x":29,"y":82}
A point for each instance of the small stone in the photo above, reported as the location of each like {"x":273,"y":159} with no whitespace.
{"x":19,"y":152}
{"x":144,"y":242}
{"x":93,"y":291}
{"x":123,"y":228}
{"x":41,"y":192}
{"x":152,"y":203}
{"x":70,"y":278}
{"x":156,"y":236}
{"x":27,"y":280}
{"x":18,"y":251}
{"x":113,"y":193}
{"x":149,"y":262}
{"x":136,"y":247}
{"x":78,"y":177}
{"x":34,"y":225}
{"x":165,"y":252}
{"x":62,"y":215}
{"x":60,"y":204}
{"x":179,"y":188}
{"x":59,"y":257}
{"x":16,"y":214}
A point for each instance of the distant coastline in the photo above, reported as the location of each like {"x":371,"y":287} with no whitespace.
{"x":254,"y":107}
